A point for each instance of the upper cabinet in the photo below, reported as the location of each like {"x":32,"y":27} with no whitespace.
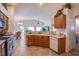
{"x":4,"y":21}
{"x":60,"y":21}
{"x":1,"y":15}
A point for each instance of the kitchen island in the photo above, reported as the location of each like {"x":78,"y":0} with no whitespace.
{"x":38,"y":40}
{"x":55,"y":42}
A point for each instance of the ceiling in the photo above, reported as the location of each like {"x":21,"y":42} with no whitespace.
{"x":27,"y":11}
{"x":35,"y":11}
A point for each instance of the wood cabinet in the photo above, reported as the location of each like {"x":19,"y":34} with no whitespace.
{"x":5,"y":19}
{"x":2,"y":49}
{"x":9,"y":44}
{"x":6,"y":47}
{"x":37,"y":40}
{"x":60,"y":21}
{"x":58,"y":45}
{"x":1,"y":15}
{"x":45,"y":41}
{"x":6,"y":22}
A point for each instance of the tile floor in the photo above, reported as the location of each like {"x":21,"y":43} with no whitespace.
{"x":20,"y":49}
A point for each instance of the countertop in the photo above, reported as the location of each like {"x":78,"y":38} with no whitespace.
{"x":57,"y":36}
{"x":2,"y":41}
{"x":51,"y":35}
{"x":39,"y":34}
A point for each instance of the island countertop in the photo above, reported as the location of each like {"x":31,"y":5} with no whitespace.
{"x":51,"y":35}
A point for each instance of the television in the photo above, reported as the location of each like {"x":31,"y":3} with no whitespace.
{"x":1,"y":23}
{"x":45,"y":28}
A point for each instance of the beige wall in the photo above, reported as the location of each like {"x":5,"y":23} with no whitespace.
{"x":75,"y":9}
{"x":11,"y":19}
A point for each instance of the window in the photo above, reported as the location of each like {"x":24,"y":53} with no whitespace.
{"x":31,"y":28}
{"x":38,"y":28}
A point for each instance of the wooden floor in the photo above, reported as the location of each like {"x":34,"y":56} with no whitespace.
{"x":20,"y":49}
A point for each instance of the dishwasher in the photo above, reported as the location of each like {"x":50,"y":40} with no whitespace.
{"x":54,"y":43}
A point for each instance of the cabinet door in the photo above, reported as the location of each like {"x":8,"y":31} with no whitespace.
{"x":60,"y":21}
{"x":54,"y":44}
{"x":3,"y":49}
{"x":1,"y":15}
{"x":29,"y":40}
{"x":6,"y":22}
{"x":61,"y":45}
{"x":10,"y":46}
{"x":45,"y":41}
{"x":35,"y":40}
{"x":39,"y":41}
{"x":56,"y":22}
{"x":0,"y":50}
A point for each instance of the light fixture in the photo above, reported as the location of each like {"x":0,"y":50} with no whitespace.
{"x":20,"y":23}
{"x":41,"y":4}
{"x":38,"y":21}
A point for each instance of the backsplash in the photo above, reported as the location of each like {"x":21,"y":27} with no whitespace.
{"x":60,"y":31}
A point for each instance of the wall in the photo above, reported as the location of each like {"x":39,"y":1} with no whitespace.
{"x":70,"y":30}
{"x":75,"y":9}
{"x":11,"y":19}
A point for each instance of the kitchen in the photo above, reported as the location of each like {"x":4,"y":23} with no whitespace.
{"x":54,"y":32}
{"x":50,"y":26}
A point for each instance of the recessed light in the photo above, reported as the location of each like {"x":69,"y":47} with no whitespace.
{"x":20,"y":23}
{"x":41,"y":4}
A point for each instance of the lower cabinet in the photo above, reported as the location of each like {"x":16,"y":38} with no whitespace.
{"x":37,"y":40}
{"x":57,"y":45}
{"x":6,"y":48}
{"x":2,"y":49}
{"x":9,"y":46}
